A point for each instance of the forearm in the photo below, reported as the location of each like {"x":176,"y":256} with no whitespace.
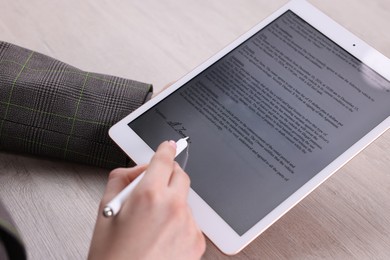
{"x":49,"y":108}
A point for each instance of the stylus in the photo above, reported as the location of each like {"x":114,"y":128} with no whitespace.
{"x":113,"y":207}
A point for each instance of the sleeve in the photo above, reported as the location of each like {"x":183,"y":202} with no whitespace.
{"x":49,"y":108}
{"x":11,"y":245}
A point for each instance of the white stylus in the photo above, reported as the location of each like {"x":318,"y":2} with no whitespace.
{"x":113,"y":207}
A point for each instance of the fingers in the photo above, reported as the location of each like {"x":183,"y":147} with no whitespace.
{"x":119,"y":179}
{"x":161,"y":166}
{"x":180,"y":181}
{"x":199,"y":241}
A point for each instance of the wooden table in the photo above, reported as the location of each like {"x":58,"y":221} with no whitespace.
{"x":55,"y":203}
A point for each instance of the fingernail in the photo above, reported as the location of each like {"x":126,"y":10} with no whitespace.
{"x":172,"y":143}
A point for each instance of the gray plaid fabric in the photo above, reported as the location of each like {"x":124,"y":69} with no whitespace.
{"x":49,"y":108}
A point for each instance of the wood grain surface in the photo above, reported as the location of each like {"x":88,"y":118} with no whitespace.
{"x":54,"y":203}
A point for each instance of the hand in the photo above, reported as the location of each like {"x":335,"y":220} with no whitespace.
{"x":155,"y":222}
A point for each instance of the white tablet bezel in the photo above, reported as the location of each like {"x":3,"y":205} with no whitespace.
{"x":219,"y":232}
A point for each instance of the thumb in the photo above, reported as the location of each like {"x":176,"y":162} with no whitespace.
{"x":119,"y":179}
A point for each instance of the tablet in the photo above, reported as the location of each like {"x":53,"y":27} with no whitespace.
{"x":270,"y":117}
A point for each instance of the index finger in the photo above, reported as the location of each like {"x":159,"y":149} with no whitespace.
{"x":161,"y":166}
{"x":118,"y":179}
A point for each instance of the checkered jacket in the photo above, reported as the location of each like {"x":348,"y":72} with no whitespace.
{"x":49,"y":108}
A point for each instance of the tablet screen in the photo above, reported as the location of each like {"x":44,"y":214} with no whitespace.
{"x":267,"y":117}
